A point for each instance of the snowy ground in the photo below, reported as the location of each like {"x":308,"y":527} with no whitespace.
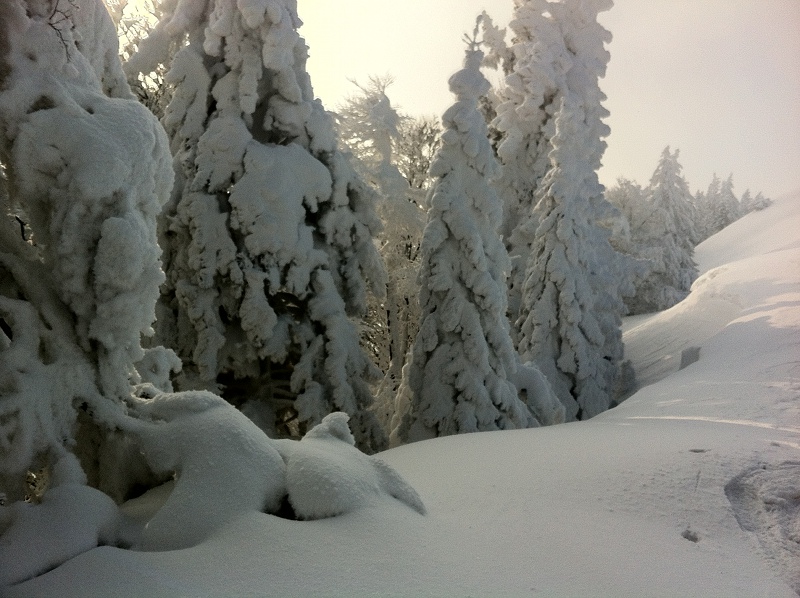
{"x":689,"y":488}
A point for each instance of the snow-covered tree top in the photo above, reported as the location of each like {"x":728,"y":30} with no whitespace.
{"x":469,"y":83}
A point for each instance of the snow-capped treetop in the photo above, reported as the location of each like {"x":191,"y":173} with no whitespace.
{"x":528,"y":101}
{"x":368,"y":122}
{"x":499,"y":55}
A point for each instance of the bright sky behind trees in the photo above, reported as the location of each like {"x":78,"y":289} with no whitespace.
{"x":717,"y":78}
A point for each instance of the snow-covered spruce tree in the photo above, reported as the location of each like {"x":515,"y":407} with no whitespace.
{"x":612,"y":274}
{"x":527,"y":102}
{"x":559,"y":329}
{"x":725,"y":209}
{"x":630,"y":233}
{"x":88,"y":170}
{"x":369,"y":126}
{"x":746,"y":202}
{"x":558,"y":49}
{"x":456,"y":379}
{"x":268,"y":239}
{"x":704,"y":206}
{"x":670,"y":234}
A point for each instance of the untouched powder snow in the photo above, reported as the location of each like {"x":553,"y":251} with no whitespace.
{"x":689,"y":488}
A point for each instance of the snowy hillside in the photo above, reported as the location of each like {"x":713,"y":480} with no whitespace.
{"x":689,"y":488}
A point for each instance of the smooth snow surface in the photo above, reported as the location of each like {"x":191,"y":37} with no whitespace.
{"x":689,"y":488}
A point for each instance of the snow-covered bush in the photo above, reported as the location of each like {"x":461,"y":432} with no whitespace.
{"x":224,"y":465}
{"x":748,"y":203}
{"x":268,"y":239}
{"x":457,"y":376}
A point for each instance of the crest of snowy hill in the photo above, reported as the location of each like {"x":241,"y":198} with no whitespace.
{"x":689,"y":488}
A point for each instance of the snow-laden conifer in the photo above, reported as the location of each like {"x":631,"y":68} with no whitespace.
{"x":88,"y":170}
{"x":725,"y":210}
{"x":559,"y":58}
{"x":558,"y":50}
{"x":526,"y":104}
{"x":269,"y":237}
{"x":612,"y":273}
{"x":457,"y":378}
{"x":559,"y":329}
{"x":670,"y":233}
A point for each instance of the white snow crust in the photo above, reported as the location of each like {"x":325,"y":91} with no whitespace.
{"x":689,"y":488}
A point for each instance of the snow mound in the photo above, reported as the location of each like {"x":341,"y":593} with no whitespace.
{"x":224,"y":466}
{"x":70,"y":520}
{"x":327,"y":476}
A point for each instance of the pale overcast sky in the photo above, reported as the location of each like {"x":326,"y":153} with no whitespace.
{"x":718,"y":79}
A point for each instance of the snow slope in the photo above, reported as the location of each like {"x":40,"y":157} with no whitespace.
{"x":689,"y":488}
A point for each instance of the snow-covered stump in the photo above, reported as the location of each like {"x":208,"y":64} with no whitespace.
{"x":268,"y":239}
{"x":457,"y":376}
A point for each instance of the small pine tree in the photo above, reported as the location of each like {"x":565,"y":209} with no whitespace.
{"x":457,"y":377}
{"x":720,"y":207}
{"x":726,"y":210}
